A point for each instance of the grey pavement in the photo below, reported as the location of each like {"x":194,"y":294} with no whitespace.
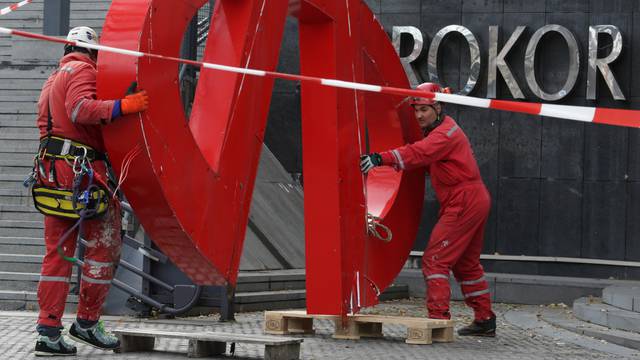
{"x":521,"y":335}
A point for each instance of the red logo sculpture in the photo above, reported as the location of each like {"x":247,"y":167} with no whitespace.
{"x":191,"y":182}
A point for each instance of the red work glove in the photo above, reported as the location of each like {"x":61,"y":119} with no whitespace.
{"x":134,"y":103}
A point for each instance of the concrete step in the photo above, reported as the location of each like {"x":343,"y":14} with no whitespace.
{"x":19,"y":117}
{"x":19,"y":146}
{"x":624,"y":297}
{"x":395,"y":292}
{"x":28,"y":300}
{"x":15,"y":183}
{"x":18,"y":123}
{"x":19,"y":224}
{"x":21,"y":281}
{"x":24,"y":72}
{"x":20,"y":263}
{"x":21,"y":232}
{"x":8,"y":247}
{"x":19,"y":133}
{"x":19,"y":169}
{"x":17,"y":195}
{"x":256,"y":281}
{"x":565,"y":319}
{"x":16,"y":159}
{"x":593,"y":310}
{"x":17,"y":208}
{"x":23,"y":216}
{"x":19,"y":107}
{"x":26,"y":84}
{"x":273,"y":300}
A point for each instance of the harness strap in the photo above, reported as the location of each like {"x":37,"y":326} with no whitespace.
{"x":61,"y":148}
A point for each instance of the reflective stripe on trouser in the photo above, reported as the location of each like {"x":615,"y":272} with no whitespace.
{"x":438,"y":296}
{"x":101,"y":255}
{"x":104,"y":239}
{"x":455,"y":244}
{"x":478,"y":297}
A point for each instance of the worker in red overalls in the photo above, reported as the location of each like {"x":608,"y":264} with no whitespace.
{"x":456,"y":240}
{"x":70,"y":118}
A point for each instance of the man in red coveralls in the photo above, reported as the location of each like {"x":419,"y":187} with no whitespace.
{"x":69,"y":119}
{"x":456,"y":240}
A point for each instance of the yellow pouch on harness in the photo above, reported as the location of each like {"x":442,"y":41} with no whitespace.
{"x":58,"y":202}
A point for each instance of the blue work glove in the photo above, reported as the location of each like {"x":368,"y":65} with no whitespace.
{"x":369,"y":161}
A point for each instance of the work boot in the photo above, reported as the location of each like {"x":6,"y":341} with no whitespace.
{"x":480,"y":328}
{"x":95,"y":336}
{"x":46,"y":346}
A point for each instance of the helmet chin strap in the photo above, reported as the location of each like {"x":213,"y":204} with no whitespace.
{"x":434,"y":124}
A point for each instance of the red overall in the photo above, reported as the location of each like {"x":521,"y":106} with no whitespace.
{"x":77,"y":115}
{"x":456,"y":240}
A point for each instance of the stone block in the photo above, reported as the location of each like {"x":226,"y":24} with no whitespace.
{"x":389,"y":20}
{"x":562,"y":149}
{"x":560,"y":226}
{"x":400,"y":6}
{"x":555,"y":6}
{"x":606,"y":153}
{"x":611,"y":6}
{"x":520,"y":145}
{"x":604,"y":214}
{"x":633,"y":226}
{"x":441,"y":6}
{"x":518,"y":221}
{"x":469,"y":6}
{"x":524,"y":6}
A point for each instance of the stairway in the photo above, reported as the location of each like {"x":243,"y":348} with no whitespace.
{"x":613,"y":318}
{"x":619,"y":308}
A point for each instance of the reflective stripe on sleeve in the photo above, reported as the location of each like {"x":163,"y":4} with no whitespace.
{"x":76,"y":110}
{"x":396,"y":153}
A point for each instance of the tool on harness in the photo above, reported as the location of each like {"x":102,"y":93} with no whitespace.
{"x":93,"y":201}
{"x":373,"y":224}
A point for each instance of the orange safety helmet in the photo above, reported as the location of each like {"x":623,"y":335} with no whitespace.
{"x":428,"y":87}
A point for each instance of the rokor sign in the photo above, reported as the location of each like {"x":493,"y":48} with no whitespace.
{"x":497,"y":63}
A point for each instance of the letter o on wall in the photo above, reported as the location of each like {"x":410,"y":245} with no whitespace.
{"x":474,"y":52}
{"x":530,"y":60}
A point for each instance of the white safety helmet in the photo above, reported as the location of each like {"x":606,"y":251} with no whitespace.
{"x":83,"y":34}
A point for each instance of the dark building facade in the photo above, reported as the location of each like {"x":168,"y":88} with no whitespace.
{"x":560,"y":188}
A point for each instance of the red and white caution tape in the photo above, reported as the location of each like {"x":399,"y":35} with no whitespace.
{"x":619,"y":117}
{"x":14,"y":7}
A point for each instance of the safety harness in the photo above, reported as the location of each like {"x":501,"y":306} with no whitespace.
{"x":74,"y":203}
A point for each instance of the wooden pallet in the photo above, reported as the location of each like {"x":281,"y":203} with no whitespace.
{"x":206,"y":344}
{"x":419,"y":330}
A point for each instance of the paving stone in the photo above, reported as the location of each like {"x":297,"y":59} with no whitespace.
{"x":17,"y":338}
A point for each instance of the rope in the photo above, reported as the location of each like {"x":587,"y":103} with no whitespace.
{"x":373,"y":226}
{"x":124,"y":169}
{"x":81,"y":168}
